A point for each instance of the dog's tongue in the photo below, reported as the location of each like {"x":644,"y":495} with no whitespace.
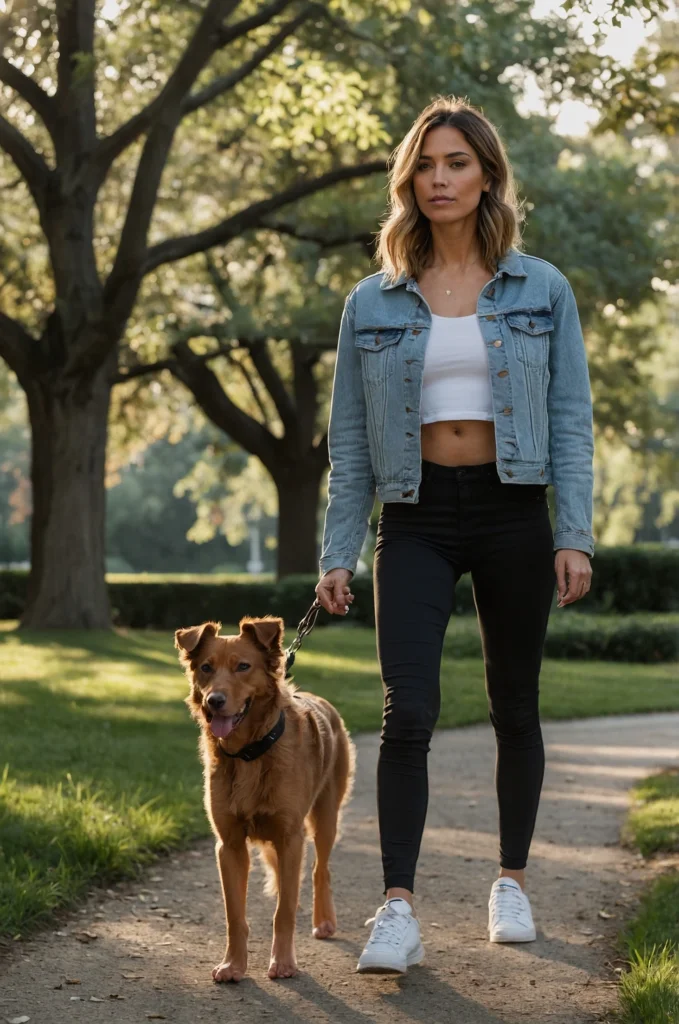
{"x":222,"y":725}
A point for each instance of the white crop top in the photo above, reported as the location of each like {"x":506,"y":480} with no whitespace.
{"x":455,"y":384}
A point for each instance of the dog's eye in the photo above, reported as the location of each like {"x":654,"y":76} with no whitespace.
{"x":242,"y":666}
{"x":207,"y":667}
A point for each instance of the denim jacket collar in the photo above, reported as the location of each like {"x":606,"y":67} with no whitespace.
{"x":510,"y":264}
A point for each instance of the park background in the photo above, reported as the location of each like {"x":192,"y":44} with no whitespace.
{"x":188,"y":192}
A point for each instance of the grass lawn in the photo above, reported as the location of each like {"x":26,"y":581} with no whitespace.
{"x":99,"y":754}
{"x":650,"y":989}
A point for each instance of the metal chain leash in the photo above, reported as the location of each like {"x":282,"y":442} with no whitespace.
{"x":305,"y":626}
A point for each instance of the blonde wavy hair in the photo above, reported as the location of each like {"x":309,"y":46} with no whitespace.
{"x":405,"y":240}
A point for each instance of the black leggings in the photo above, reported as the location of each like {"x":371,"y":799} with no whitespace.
{"x":466,"y":520}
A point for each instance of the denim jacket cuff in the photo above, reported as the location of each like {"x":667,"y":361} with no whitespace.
{"x":574,"y":540}
{"x":329,"y":562}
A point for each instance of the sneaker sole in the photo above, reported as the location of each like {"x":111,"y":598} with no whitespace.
{"x":415,"y":957}
{"x":524,"y":938}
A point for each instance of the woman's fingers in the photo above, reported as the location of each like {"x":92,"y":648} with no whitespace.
{"x":573,"y":575}
{"x":334,"y":595}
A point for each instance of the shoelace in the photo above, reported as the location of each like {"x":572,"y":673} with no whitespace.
{"x":510,"y":902}
{"x":391,"y":926}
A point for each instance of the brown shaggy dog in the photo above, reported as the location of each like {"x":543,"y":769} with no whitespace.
{"x":292,"y":791}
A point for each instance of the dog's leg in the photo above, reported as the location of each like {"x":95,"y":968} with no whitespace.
{"x":323,"y":819}
{"x":234,"y":863}
{"x":290,"y":850}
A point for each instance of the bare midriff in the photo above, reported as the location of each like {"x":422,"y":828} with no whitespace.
{"x":458,"y":442}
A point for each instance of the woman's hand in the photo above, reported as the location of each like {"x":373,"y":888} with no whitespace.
{"x":573,"y":575}
{"x":333,"y":593}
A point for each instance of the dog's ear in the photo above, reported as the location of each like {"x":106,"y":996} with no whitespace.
{"x":188,"y":640}
{"x":266,"y":632}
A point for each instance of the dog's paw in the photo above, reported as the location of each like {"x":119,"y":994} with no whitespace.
{"x":324,"y":930}
{"x":228,"y":971}
{"x":285,"y":967}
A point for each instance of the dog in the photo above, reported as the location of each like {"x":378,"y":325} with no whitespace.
{"x":278,"y":769}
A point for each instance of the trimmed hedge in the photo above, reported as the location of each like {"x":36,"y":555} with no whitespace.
{"x":628,"y":580}
{"x":643,"y":577}
{"x":645,"y":638}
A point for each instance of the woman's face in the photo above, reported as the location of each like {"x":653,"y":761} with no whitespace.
{"x":448,"y":178}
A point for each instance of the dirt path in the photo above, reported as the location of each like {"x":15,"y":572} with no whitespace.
{"x":157,"y":940}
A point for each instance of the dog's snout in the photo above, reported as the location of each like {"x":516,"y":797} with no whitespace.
{"x":216,"y":701}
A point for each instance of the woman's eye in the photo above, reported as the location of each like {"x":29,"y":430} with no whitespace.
{"x":242,"y":666}
{"x":206,"y":667}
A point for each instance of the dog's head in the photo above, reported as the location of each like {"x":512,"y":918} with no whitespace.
{"x":228,"y":674}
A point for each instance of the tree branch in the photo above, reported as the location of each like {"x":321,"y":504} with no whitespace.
{"x":273,"y":383}
{"x":31,"y":165}
{"x":177,"y":248}
{"x":225,"y":82}
{"x":325,"y":241}
{"x":251,"y":384}
{"x":241,"y":28}
{"x":16,"y":346}
{"x":221,"y":410}
{"x":179,"y":81}
{"x":29,"y":90}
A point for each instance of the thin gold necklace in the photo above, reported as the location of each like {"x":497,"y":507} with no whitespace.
{"x":449,"y":290}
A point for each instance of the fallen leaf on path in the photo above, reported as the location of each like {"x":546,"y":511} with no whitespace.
{"x":155,"y":1016}
{"x":114,"y":995}
{"x":86,"y":936}
{"x":132,"y":977}
{"x":72,"y":981}
{"x":96,"y":999}
{"x":17,"y":1020}
{"x":605,"y":915}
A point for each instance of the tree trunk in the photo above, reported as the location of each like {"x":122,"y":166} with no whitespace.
{"x":67,"y":586}
{"x":298,"y":494}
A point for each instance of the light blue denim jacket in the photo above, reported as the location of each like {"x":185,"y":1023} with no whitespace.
{"x":542,"y":406}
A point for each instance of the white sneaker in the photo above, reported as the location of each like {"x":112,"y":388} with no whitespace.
{"x":509,"y":915}
{"x":394,"y":943}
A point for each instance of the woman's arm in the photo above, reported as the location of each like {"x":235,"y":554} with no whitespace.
{"x":571,"y":435}
{"x":351,"y":481}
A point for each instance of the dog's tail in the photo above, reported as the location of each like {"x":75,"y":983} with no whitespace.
{"x":269,"y":860}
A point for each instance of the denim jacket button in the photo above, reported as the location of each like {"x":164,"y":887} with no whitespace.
{"x":407,"y":494}
{"x":508,"y":472}
{"x":416,"y":330}
{"x":503,"y":373}
{"x":507,"y":410}
{"x":378,"y":339}
{"x":497,"y":343}
{"x":408,"y":409}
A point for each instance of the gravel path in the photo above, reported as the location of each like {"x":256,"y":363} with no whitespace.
{"x":143,"y":951}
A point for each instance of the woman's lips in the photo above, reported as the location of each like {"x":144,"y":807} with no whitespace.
{"x":441,"y":200}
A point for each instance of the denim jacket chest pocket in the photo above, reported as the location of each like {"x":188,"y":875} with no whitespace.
{"x":530,"y":331}
{"x":377,"y":346}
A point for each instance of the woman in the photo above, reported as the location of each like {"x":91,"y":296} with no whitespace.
{"x":461,"y":390}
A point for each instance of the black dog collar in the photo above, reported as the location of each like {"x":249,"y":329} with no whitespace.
{"x":251,"y":751}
